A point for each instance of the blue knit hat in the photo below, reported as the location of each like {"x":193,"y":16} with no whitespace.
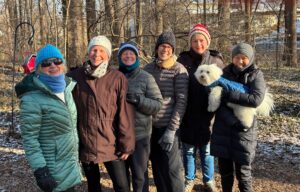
{"x":47,"y":52}
{"x":125,"y":46}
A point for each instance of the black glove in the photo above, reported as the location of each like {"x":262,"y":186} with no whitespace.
{"x":133,"y":98}
{"x":44,"y":179}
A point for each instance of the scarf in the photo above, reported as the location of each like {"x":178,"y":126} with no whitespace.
{"x":126,"y":69}
{"x":97,"y":72}
{"x":56,"y":84}
{"x":167,"y":64}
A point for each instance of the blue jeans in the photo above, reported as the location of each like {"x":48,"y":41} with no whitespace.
{"x":189,"y":161}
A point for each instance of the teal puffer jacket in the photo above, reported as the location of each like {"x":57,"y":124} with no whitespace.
{"x":48,"y":129}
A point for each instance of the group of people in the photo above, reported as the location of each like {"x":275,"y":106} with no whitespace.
{"x":123,"y":117}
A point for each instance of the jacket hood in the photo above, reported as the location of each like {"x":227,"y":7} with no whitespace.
{"x":31,"y":83}
{"x":26,"y":85}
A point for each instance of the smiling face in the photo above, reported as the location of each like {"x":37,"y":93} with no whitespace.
{"x":128,"y":57}
{"x":240,"y":61}
{"x":199,"y":43}
{"x":164,"y":51}
{"x":52,"y":67}
{"x":97,"y":55}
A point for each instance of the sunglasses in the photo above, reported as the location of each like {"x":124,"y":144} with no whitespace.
{"x":48,"y":62}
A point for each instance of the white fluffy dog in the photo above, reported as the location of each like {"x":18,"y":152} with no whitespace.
{"x":208,"y":74}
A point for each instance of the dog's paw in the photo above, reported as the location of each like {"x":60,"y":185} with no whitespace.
{"x":214,"y":99}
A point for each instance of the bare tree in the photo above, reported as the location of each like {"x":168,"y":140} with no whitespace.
{"x":119,"y":21}
{"x":224,"y":25}
{"x":41,"y":21}
{"x":139,"y":22}
{"x":248,"y":12}
{"x":159,"y":5}
{"x":91,"y":18}
{"x":290,"y":31}
{"x":76,"y":44}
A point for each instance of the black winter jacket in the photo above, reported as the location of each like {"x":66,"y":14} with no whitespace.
{"x":197,"y":122}
{"x":229,"y":140}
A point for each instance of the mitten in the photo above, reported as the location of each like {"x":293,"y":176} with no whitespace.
{"x":167,"y":139}
{"x":44,"y":179}
{"x":133,"y":98}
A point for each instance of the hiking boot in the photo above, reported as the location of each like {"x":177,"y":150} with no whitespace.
{"x":189,"y":184}
{"x":210,"y":186}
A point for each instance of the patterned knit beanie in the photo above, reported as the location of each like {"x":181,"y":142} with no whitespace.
{"x":102,"y":41}
{"x":200,"y":29}
{"x":47,"y":52}
{"x":166,"y":37}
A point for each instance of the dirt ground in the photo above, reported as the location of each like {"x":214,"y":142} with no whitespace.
{"x":276,"y":167}
{"x":271,"y":173}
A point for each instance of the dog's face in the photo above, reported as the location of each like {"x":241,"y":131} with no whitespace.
{"x":207,"y":74}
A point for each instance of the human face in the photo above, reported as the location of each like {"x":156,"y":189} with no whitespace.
{"x":165,"y":51}
{"x":97,"y":55}
{"x":128,"y":57}
{"x":240,"y":61}
{"x":52,"y":67}
{"x":199,"y":43}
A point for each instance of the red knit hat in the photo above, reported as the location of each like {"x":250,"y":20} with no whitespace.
{"x":200,"y":29}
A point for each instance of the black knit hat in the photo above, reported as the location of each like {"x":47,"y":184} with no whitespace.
{"x":166,"y":37}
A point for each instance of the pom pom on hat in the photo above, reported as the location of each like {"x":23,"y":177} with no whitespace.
{"x":101,"y":41}
{"x":200,"y":29}
{"x":166,"y":37}
{"x":47,"y":52}
{"x":125,"y":46}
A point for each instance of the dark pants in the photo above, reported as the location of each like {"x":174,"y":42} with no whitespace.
{"x":167,"y":166}
{"x":116,"y":170}
{"x":243,"y":175}
{"x":138,"y":165}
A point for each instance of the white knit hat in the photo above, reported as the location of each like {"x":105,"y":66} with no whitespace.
{"x":102,"y":41}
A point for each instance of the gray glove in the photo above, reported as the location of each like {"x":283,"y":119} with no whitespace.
{"x":167,"y":139}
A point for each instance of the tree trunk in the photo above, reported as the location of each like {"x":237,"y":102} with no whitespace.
{"x":248,"y":10}
{"x":291,"y":43}
{"x":76,"y":48}
{"x":204,"y":12}
{"x":119,"y":22}
{"x":41,"y":21}
{"x":110,"y":14}
{"x":224,"y":26}
{"x":139,"y":23}
{"x":91,"y":18}
{"x":66,"y":13}
{"x":159,"y":4}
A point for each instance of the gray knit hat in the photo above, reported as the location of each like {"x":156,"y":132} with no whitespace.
{"x":245,"y":49}
{"x":166,"y":37}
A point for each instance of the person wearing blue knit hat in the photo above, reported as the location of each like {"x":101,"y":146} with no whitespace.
{"x":48,"y":119}
{"x":143,"y":93}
